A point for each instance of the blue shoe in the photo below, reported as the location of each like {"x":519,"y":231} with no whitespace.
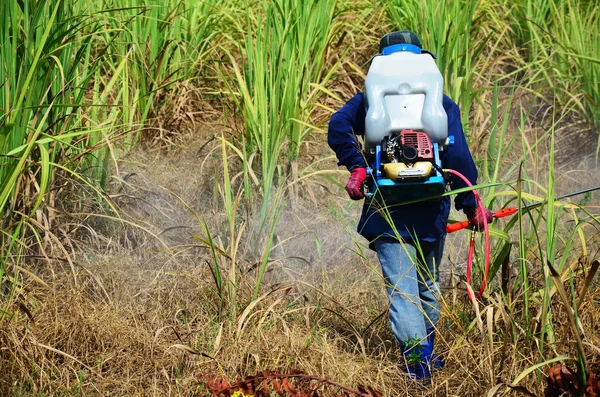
{"x":437,"y":360}
{"x":418,"y":360}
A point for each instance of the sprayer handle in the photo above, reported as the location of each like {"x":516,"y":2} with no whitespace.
{"x":454,"y":227}
{"x":505,"y":212}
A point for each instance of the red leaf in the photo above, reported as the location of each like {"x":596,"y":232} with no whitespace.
{"x":289,"y":388}
{"x":218,"y":386}
{"x":562,"y":378}
{"x":277,"y":387}
{"x":247,"y":387}
{"x":592,"y":387}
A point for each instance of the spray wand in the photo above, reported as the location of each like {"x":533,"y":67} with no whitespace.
{"x":451,"y":228}
{"x":454,"y":227}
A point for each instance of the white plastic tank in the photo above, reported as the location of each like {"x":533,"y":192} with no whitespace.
{"x":404,"y":90}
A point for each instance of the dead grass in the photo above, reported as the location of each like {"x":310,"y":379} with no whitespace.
{"x":67,"y":340}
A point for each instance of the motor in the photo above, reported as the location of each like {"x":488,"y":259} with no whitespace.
{"x":409,"y":156}
{"x":405,"y":166}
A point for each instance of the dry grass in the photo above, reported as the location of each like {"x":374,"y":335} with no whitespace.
{"x":148,"y":322}
{"x":142,"y":341}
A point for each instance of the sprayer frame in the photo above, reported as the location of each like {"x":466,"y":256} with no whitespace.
{"x":389,"y":192}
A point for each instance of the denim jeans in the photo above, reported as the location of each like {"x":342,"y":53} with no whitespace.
{"x":411,"y":272}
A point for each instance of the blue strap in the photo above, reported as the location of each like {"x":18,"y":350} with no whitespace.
{"x":401,"y":47}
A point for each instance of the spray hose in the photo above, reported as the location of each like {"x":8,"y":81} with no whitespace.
{"x":486,"y":232}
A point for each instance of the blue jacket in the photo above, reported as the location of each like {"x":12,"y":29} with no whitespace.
{"x":424,"y":220}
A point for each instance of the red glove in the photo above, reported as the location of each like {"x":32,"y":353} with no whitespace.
{"x":354,"y":187}
{"x":475,"y":218}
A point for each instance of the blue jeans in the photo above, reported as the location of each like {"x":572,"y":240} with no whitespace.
{"x":411,"y":271}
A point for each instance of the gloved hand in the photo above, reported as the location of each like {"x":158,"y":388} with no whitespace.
{"x":475,"y":218}
{"x":354,"y":187}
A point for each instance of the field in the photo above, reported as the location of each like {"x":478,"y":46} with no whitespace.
{"x":173,"y":218}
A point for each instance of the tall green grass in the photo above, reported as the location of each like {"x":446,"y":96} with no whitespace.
{"x":45,"y":68}
{"x":151,"y":46}
{"x":278,"y":80}
{"x":58,"y":60}
{"x":562,"y":43}
{"x":75,"y":79}
{"x":551,"y":237}
{"x":577,"y":34}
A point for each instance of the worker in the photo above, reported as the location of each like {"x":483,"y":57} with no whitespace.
{"x":410,"y":247}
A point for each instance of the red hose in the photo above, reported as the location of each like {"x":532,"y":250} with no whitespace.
{"x":470,"y":261}
{"x":486,"y":232}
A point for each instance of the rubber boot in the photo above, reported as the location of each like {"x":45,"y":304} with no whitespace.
{"x":437,"y":360}
{"x":418,"y":360}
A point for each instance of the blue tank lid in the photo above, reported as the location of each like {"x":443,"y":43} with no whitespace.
{"x":400,"y":47}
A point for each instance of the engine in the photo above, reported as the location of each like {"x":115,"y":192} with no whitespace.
{"x":409,"y":155}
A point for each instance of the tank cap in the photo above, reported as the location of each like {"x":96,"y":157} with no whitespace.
{"x":400,"y":47}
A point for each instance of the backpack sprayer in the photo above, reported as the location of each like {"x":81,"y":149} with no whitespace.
{"x":406,"y":125}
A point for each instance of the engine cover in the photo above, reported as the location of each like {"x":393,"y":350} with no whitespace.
{"x":420,"y":141}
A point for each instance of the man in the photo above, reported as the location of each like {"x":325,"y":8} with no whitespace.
{"x":408,"y":239}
